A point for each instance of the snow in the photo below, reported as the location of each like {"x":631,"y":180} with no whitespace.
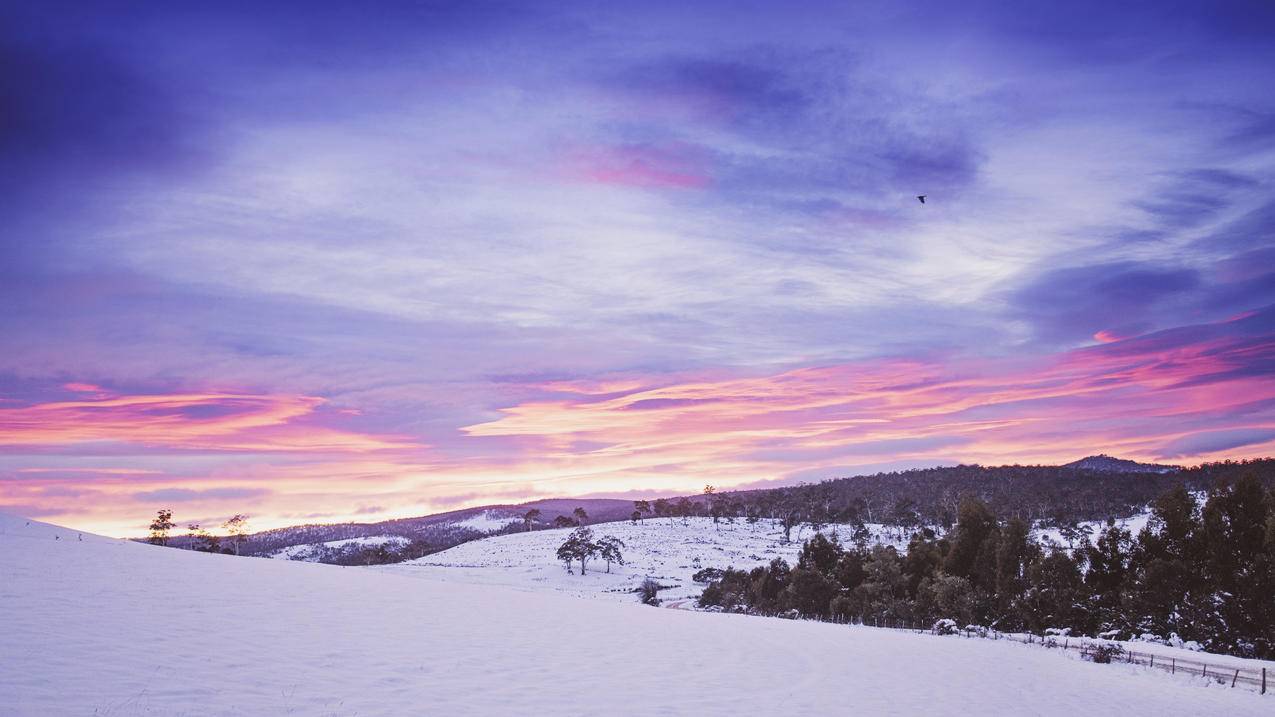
{"x":111,"y":627}
{"x":487,"y":522}
{"x":1134,"y":524}
{"x":667,"y":550}
{"x":311,"y":551}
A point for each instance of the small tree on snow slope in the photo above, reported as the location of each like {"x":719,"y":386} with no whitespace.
{"x":160,"y":526}
{"x":237,"y":527}
{"x":581,"y":517}
{"x":609,"y":548}
{"x":530,"y":517}
{"x":578,"y":546}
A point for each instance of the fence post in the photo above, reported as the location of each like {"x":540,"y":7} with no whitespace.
{"x":1204,"y":671}
{"x":1173,"y":665}
{"x":1236,"y":677}
{"x":1263,"y":680}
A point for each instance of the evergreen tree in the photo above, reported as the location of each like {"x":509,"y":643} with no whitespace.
{"x":974,"y":524}
{"x":1108,"y":560}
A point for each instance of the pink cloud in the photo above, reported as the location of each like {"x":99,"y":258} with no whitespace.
{"x":672,"y":166}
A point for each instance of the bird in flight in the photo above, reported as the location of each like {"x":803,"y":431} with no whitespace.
{"x":922,"y":197}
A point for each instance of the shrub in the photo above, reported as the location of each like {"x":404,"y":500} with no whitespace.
{"x":946,"y":626}
{"x":648,"y":592}
{"x":1104,"y":653}
{"x":707,"y":575}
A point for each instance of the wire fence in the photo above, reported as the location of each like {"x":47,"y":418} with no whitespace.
{"x":1258,"y":679}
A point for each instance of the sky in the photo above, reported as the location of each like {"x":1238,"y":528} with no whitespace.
{"x":317,"y":262}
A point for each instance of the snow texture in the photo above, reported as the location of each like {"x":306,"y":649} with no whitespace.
{"x":110,"y":627}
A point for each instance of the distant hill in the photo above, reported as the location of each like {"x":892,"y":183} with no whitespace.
{"x":1091,"y":489}
{"x":1110,"y":464}
{"x":346,"y":542}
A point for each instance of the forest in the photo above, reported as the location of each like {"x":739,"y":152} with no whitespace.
{"x":1202,"y":573}
{"x":1053,"y":496}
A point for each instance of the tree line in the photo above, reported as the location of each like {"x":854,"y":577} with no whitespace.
{"x":1195,"y":573}
{"x":198,"y":538}
{"x":1055,"y":496}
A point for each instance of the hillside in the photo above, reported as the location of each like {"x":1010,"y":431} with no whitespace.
{"x":670,"y":551}
{"x":100,"y":626}
{"x":340,"y":542}
{"x":1090,"y":490}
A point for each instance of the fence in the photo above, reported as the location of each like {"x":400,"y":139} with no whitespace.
{"x":1254,"y":678}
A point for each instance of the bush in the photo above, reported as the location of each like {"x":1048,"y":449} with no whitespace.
{"x":946,"y":626}
{"x":648,"y":592}
{"x":707,"y":575}
{"x":1104,"y":653}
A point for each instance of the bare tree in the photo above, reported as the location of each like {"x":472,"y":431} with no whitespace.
{"x":581,"y":517}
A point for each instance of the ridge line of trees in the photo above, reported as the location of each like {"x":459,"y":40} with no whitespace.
{"x":1202,"y":574}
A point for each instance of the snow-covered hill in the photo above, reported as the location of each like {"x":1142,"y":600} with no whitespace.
{"x":314,"y":552}
{"x":669,"y":550}
{"x":98,"y":626}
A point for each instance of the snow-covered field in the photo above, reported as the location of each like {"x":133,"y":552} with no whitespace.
{"x":96,"y":626}
{"x":667,"y":550}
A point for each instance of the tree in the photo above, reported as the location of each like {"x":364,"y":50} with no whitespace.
{"x":578,"y":546}
{"x":790,"y":519}
{"x":974,"y":523}
{"x":192,"y":535}
{"x":609,"y":548}
{"x":685,"y":509}
{"x":563,"y":521}
{"x":1108,"y":566}
{"x":641,"y":507}
{"x":581,"y":517}
{"x":530,"y":517}
{"x":206,"y":542}
{"x":237,"y":527}
{"x":160,"y":526}
{"x":661,"y":508}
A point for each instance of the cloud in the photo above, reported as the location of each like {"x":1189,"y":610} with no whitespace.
{"x":1215,"y":441}
{"x":186,"y":495}
{"x":206,"y":421}
{"x":1073,"y":303}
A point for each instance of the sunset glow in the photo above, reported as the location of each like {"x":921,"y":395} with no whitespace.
{"x":318,"y":266}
